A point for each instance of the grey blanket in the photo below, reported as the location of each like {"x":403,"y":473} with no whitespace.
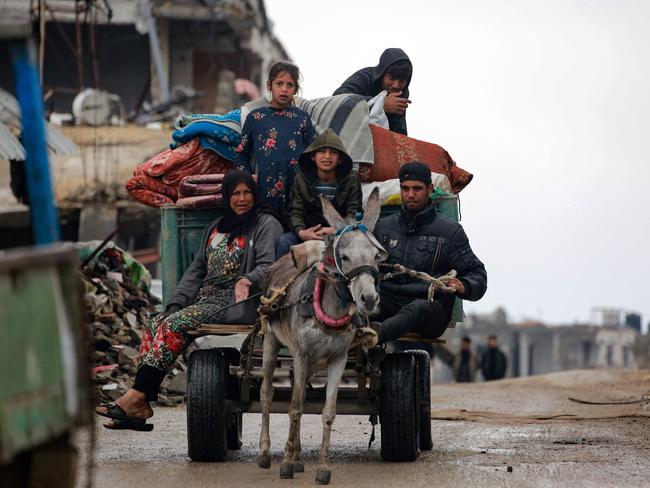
{"x":346,"y":114}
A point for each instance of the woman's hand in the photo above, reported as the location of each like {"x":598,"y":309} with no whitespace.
{"x":242,"y":289}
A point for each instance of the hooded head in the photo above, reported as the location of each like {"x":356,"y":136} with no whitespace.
{"x":387,"y":59}
{"x":327,"y":138}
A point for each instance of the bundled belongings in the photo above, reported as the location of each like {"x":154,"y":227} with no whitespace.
{"x":200,"y":191}
{"x":155,"y":182}
{"x":119,"y":306}
{"x":392,"y":150}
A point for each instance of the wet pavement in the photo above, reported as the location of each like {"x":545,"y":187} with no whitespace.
{"x":495,"y":448}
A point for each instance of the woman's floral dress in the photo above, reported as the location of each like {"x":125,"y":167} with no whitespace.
{"x":271,"y":143}
{"x":166,"y":334}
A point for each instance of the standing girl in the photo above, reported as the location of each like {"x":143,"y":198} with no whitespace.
{"x":274,"y":137}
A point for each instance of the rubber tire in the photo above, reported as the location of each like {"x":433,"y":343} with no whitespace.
{"x":206,"y":393}
{"x":423,"y":363}
{"x":235,"y":419}
{"x":399,"y":414}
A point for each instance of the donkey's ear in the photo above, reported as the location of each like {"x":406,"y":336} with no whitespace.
{"x":371,"y":215}
{"x":330,"y":214}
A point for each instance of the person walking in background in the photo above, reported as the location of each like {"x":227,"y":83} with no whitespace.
{"x":465,"y":362}
{"x":493,"y":361}
{"x":273,"y":138}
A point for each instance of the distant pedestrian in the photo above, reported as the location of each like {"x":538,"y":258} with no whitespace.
{"x":493,"y":362}
{"x":465,"y":362}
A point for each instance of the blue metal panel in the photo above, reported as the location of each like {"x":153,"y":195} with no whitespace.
{"x":45,"y":226}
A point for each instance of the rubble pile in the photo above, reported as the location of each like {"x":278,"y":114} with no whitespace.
{"x":118,"y":307}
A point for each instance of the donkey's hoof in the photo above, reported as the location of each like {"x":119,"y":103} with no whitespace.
{"x":286,"y":471}
{"x":298,"y":466}
{"x":264,"y":462}
{"x":323,"y":476}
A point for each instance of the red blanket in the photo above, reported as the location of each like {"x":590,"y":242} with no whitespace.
{"x":155,"y":182}
{"x":393,"y":149}
{"x":200,"y":185}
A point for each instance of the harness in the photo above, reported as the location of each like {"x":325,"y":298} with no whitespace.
{"x":347,"y":279}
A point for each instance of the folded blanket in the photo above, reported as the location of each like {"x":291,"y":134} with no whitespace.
{"x":200,"y":185}
{"x":204,"y":162}
{"x":170,"y":159}
{"x":201,"y":201}
{"x":219,"y":133}
{"x":150,"y":191}
{"x":393,"y":149}
{"x":346,"y":114}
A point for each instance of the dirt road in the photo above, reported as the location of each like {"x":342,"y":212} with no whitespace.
{"x":480,"y":432}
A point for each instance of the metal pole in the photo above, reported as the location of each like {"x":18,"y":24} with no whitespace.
{"x":45,"y":227}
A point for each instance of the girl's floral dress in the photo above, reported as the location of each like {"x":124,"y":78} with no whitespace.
{"x":166,"y":334}
{"x":272,"y":140}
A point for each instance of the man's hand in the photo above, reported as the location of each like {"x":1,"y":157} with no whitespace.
{"x":242,"y":289}
{"x":311,"y":234}
{"x":394,"y":104}
{"x":458,"y":285}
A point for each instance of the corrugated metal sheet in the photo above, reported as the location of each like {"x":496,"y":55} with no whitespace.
{"x":10,"y":146}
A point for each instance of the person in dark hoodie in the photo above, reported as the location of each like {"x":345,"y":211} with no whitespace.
{"x":393,"y":74}
{"x":325,"y":168}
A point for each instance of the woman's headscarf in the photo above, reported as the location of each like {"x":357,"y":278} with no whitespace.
{"x":231,"y":223}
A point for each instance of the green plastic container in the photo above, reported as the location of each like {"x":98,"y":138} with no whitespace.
{"x":180,"y":237}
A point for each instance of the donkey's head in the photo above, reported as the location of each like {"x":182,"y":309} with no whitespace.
{"x":355,"y":253}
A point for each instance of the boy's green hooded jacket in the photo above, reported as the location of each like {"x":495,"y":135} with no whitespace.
{"x":305,"y":210}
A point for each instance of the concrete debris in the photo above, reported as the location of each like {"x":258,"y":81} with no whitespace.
{"x":117,"y":313}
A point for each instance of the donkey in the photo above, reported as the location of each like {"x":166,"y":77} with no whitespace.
{"x":350,"y":261}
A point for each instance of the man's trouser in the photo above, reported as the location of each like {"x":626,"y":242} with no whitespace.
{"x":429,"y":319}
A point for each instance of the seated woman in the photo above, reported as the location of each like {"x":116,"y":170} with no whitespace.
{"x":235,"y":252}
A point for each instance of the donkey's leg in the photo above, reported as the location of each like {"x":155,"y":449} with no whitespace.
{"x":298,"y":465}
{"x":269,"y":356}
{"x":334,"y":374}
{"x":295,"y":414}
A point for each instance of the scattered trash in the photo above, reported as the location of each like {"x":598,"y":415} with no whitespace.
{"x":118,"y":306}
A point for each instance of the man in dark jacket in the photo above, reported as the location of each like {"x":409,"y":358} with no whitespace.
{"x":493,"y":361}
{"x":422,"y":239}
{"x":393,"y":74}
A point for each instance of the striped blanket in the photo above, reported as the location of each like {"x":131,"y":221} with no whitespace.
{"x":346,"y":114}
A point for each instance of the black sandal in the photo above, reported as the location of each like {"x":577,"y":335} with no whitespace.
{"x":121,"y":420}
{"x":132,"y":423}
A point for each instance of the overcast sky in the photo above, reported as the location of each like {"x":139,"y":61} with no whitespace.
{"x":547,"y":103}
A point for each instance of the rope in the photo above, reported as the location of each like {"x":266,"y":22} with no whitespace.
{"x":441,"y":283}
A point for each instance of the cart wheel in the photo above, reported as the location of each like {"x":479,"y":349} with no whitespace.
{"x":206,"y":392}
{"x":399,"y":412}
{"x":235,"y":419}
{"x":423,"y":363}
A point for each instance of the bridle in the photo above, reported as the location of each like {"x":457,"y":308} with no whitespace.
{"x":347,"y":278}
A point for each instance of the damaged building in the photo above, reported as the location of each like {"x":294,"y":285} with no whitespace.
{"x":115,"y":74}
{"x":533,"y":347}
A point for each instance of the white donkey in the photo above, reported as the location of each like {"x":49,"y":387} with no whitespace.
{"x":349,"y":267}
